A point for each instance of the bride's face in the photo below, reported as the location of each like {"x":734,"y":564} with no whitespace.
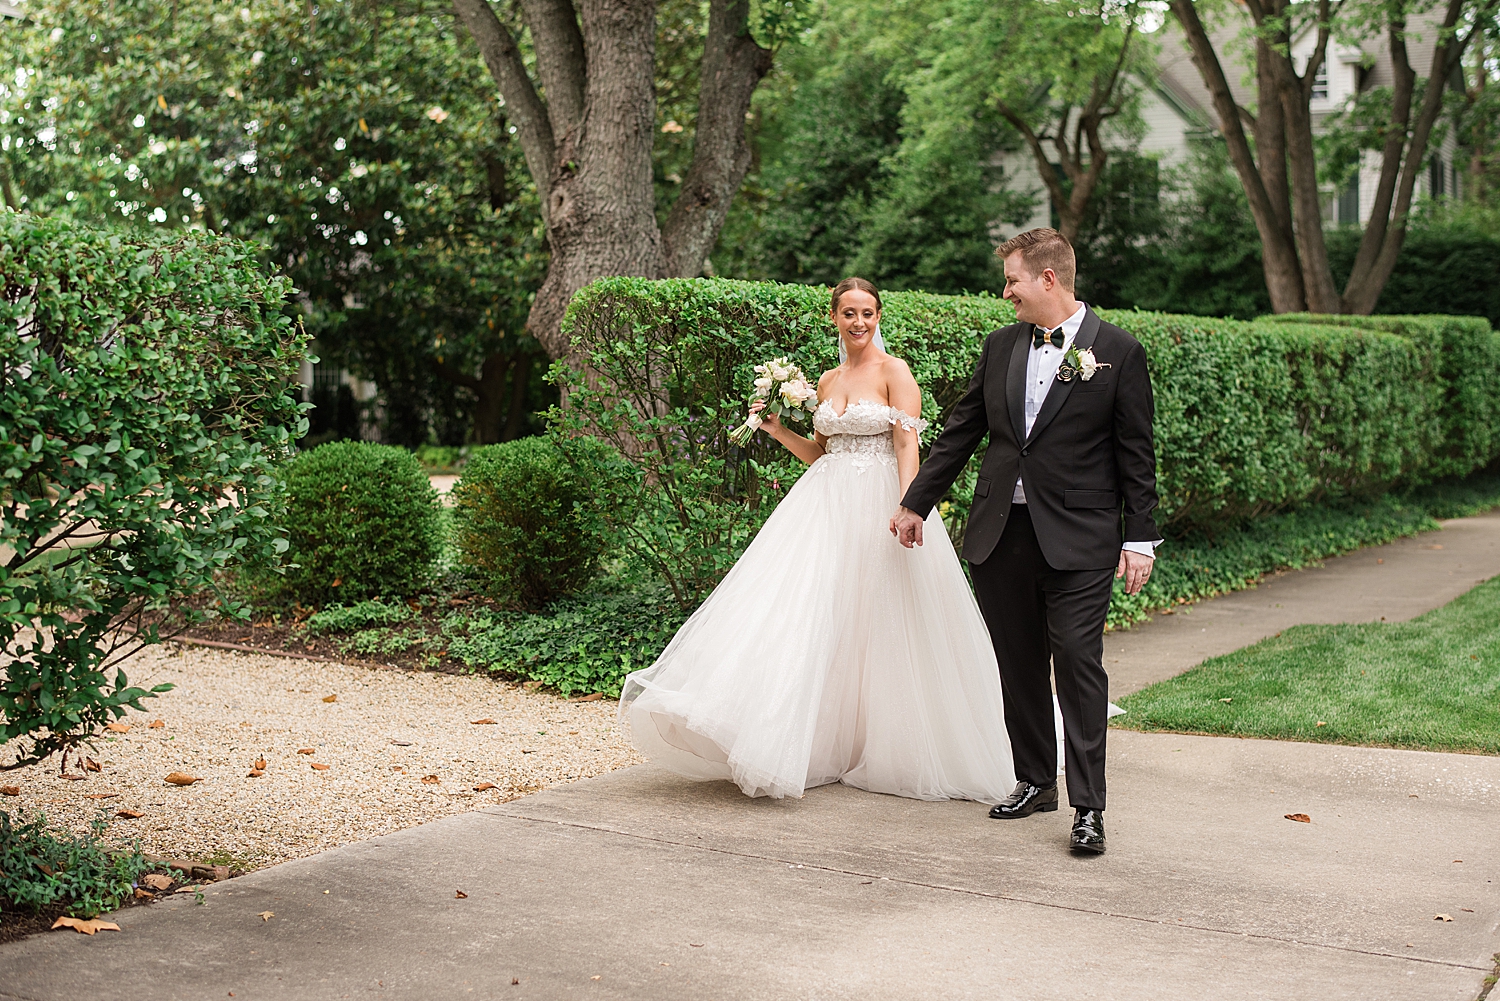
{"x":856,"y":317}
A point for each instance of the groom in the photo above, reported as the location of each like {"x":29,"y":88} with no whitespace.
{"x":1063,"y":505}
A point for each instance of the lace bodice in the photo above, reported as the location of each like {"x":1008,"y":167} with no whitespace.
{"x":863,"y":430}
{"x":863,"y":417}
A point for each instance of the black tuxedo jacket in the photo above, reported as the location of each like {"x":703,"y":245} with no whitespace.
{"x":1088,"y":466}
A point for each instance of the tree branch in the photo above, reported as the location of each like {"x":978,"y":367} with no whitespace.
{"x":561,"y":67}
{"x":733,"y":65}
{"x":524,"y":106}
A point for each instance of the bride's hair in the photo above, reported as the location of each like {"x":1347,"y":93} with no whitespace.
{"x":849,"y":285}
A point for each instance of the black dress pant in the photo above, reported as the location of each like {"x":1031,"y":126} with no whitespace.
{"x":1043,"y":620}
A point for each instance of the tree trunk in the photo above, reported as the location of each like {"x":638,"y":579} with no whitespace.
{"x":1283,"y":271}
{"x":588,"y":146}
{"x":1381,"y":244}
{"x":520,"y":382}
{"x":491,"y":401}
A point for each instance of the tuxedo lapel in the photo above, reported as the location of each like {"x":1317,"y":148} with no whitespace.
{"x":1058,"y":392}
{"x":1015,"y":381}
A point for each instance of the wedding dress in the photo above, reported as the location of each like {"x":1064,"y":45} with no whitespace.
{"x":829,"y":653}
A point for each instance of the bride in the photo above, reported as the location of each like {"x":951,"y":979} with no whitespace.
{"x":829,"y":653}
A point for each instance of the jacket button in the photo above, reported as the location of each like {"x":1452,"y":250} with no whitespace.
{"x":1025,"y":452}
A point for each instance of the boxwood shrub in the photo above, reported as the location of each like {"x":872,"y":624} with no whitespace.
{"x":362,"y":522}
{"x":527,"y":519}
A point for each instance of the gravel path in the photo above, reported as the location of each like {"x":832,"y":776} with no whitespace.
{"x":382,"y":734}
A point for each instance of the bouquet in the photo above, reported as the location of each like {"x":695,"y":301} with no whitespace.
{"x":787,"y":394}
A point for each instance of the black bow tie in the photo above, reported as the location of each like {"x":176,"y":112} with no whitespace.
{"x":1040,"y":337}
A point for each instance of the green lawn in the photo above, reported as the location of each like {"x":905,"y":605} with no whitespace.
{"x":1431,"y":683}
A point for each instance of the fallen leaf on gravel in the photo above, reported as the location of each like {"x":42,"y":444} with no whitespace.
{"x":330,"y":698}
{"x":531,"y":686}
{"x":594,"y":978}
{"x":481,"y":787}
{"x":255,"y":773}
{"x":155,"y":724}
{"x":460,"y":895}
{"x":86,"y":927}
{"x":305,"y":750}
{"x":696,"y":945}
{"x":401,"y":743}
{"x":10,"y":790}
{"x":398,"y":768}
{"x":141,"y":894}
{"x":514,"y":981}
{"x":90,"y":765}
{"x":157,"y":881}
{"x":260,"y":764}
{"x":1300,"y":818}
{"x":73,"y":778}
{"x":117,"y":727}
{"x":1467,"y":910}
{"x":1442,"y":917}
{"x":100,"y":795}
{"x":430,"y":780}
{"x":595,"y":697}
{"x":572,"y":733}
{"x":129,"y":814}
{"x":482,"y":722}
{"x":266,"y":915}
{"x":319,"y":768}
{"x":181,"y":779}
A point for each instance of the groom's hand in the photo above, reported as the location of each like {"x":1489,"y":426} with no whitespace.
{"x":906,"y":526}
{"x":1135,"y":568}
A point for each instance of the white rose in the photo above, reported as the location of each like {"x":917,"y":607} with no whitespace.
{"x":1086,"y":363}
{"x":753,"y":422}
{"x":794,"y":392}
{"x":763,"y":383}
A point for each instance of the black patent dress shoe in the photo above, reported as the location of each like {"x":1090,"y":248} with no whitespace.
{"x":1088,"y":833}
{"x":1026,"y":800}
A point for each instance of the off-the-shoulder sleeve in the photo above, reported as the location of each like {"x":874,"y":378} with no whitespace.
{"x":907,"y":421}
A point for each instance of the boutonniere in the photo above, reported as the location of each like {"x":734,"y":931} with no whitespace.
{"x":1079,"y":364}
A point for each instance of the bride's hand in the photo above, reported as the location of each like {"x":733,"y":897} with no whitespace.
{"x":770,"y":420}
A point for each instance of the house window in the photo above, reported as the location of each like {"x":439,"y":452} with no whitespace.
{"x":1437,"y":176}
{"x":1320,"y":82}
{"x":1348,"y":205}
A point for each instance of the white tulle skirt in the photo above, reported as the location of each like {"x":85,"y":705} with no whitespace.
{"x":831,"y":654}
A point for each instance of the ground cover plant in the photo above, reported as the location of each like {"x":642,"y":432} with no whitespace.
{"x":41,"y":867}
{"x":144,"y":414}
{"x":1431,"y":683}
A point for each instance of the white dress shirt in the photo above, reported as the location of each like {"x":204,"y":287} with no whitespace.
{"x":1041,"y":371}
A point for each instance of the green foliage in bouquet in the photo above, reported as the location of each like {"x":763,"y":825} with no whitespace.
{"x":362,"y":522}
{"x":145,"y":411}
{"x":528,"y":518}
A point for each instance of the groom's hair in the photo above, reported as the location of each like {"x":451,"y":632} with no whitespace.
{"x":1042,"y":249}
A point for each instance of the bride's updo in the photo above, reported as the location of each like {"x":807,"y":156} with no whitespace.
{"x":849,"y":285}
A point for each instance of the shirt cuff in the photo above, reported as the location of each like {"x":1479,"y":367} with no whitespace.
{"x":1143,"y":548}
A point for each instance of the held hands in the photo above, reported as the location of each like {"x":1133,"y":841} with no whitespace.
{"x":906,"y":526}
{"x":1135,"y":568}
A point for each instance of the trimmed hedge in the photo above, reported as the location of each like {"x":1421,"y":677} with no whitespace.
{"x":1252,"y":417}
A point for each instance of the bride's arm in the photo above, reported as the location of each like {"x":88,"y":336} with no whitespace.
{"x":906,"y":397}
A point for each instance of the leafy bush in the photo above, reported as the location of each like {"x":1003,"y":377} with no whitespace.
{"x":527,"y":517}
{"x":587,"y":643}
{"x":39,"y":867}
{"x":361,"y":615}
{"x":1251,"y":417}
{"x":144,"y":415}
{"x":362,"y":521}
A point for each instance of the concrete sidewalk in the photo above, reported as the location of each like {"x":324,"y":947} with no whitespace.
{"x":664,"y":889}
{"x":1393,"y":583}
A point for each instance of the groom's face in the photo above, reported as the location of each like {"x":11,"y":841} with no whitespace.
{"x":1030,"y":293}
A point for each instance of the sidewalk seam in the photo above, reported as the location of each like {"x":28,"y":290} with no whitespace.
{"x":984,"y":893}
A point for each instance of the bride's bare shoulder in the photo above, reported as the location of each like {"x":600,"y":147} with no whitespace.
{"x":827,"y":379}
{"x":896,"y":370}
